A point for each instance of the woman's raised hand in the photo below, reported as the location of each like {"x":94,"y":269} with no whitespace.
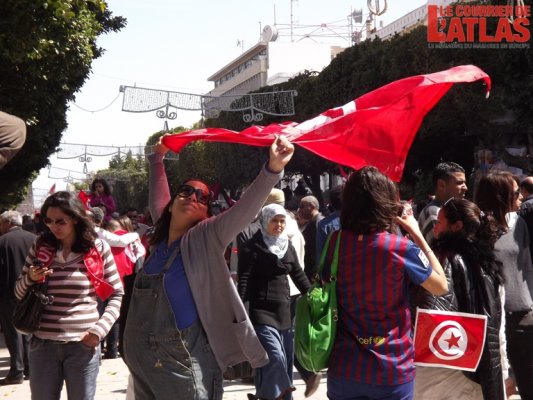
{"x":281,"y":152}
{"x":160,"y":147}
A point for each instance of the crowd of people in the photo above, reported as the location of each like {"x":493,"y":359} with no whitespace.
{"x":181,"y":309}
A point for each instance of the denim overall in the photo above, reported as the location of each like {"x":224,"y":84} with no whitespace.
{"x":167,"y":363}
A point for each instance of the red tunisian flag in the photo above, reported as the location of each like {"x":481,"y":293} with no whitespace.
{"x":449,"y":339}
{"x":377,"y":128}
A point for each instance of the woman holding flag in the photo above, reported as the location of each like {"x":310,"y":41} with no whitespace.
{"x":186,"y":323}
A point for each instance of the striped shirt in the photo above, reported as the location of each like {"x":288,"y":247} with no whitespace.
{"x":74,"y":310}
{"x":373,"y":343}
{"x":428,"y":219}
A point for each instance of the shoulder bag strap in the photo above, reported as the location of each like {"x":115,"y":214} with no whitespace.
{"x":324,"y":253}
{"x":335,"y":262}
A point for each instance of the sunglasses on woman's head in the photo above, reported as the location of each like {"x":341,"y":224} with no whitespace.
{"x":58,"y":222}
{"x":188,"y":190}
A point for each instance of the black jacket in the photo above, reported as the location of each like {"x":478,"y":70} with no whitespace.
{"x":264,"y":284}
{"x":473,"y":278}
{"x":14,"y":247}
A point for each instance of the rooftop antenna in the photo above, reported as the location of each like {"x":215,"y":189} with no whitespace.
{"x":292,"y":21}
{"x":240,"y":43}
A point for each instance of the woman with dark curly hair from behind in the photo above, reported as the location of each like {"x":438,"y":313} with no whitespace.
{"x":373,"y":353}
{"x":79,"y":268}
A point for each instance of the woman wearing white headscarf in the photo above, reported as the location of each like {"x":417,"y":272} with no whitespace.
{"x":264,"y":264}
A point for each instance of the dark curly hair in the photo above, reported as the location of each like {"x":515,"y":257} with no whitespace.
{"x":445,"y":170}
{"x":370,"y":202}
{"x":475,"y":242}
{"x":476,"y":224}
{"x":107,"y":189}
{"x":71,"y":205}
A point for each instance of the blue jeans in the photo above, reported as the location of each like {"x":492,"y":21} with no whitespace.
{"x":53,"y":362}
{"x":340,"y":389}
{"x":275,"y":378}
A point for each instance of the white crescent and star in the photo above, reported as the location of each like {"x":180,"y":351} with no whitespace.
{"x":448,"y":341}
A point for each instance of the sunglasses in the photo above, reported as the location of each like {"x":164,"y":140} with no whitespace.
{"x":58,"y":222}
{"x":188,"y":190}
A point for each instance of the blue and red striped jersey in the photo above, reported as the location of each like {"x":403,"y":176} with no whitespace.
{"x":374,"y":343}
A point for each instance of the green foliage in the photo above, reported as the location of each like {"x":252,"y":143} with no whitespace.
{"x":46,"y":51}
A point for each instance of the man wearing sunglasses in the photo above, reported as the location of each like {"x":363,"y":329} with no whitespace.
{"x":448,"y":181}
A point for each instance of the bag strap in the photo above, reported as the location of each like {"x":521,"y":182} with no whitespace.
{"x":335,"y":262}
{"x":324,"y":253}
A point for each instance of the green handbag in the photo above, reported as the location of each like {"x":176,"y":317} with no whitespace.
{"x":316,"y":317}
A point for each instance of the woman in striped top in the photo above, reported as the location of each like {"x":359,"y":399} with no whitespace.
{"x":78,"y":267}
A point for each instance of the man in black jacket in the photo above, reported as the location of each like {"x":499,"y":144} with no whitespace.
{"x":14,"y":246}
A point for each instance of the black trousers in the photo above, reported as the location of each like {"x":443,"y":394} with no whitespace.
{"x":519,"y":333}
{"x":17,"y":344}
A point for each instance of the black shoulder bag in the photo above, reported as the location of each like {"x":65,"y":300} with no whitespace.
{"x":28,"y":311}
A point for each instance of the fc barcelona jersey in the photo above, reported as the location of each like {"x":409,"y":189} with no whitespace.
{"x":374,"y":343}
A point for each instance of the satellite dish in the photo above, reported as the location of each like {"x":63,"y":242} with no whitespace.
{"x":270,"y":34}
{"x":357,"y":15}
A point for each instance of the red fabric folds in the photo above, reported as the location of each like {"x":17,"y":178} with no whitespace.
{"x":377,"y":128}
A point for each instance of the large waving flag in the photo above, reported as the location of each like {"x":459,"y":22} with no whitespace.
{"x":377,"y":128}
{"x":449,"y":339}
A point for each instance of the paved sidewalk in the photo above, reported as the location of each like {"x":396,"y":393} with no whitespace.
{"x":113,"y":381}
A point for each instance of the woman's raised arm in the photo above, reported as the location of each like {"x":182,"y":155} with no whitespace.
{"x":158,"y":190}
